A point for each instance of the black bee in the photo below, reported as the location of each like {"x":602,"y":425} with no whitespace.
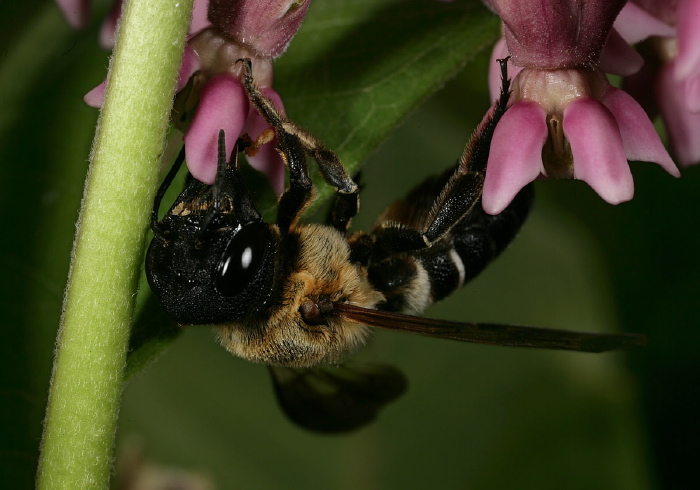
{"x":298,"y":296}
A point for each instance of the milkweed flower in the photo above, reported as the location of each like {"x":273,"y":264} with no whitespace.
{"x":77,"y":14}
{"x":671,"y":29}
{"x":565,"y":119}
{"x":211,"y":96}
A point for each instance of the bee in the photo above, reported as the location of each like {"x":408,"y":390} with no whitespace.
{"x":299,"y":297}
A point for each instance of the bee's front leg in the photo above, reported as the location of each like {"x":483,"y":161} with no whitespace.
{"x":294,"y":143}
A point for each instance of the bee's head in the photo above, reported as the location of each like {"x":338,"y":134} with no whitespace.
{"x":301,"y":328}
{"x":226,"y":273}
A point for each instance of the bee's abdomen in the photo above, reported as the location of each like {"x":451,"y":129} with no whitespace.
{"x":405,"y":283}
{"x":413,"y":280}
{"x":479,"y":238}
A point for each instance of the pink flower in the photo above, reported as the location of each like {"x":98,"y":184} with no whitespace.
{"x":672,"y":28}
{"x":256,"y":29}
{"x":566,"y":120}
{"x":210,"y":93}
{"x":77,"y":14}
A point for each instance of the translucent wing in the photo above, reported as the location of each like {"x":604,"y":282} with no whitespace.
{"x":336,"y":399}
{"x":490,"y":333}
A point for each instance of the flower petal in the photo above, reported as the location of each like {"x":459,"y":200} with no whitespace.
{"x":199,"y":16}
{"x":266,"y":160}
{"x":223,"y":105}
{"x":682,"y":125}
{"x":190,"y":64}
{"x":692,"y":93}
{"x":109,"y":26}
{"x":599,"y":156}
{"x":95,"y":96}
{"x":618,"y":57}
{"x":516,"y":154}
{"x":688,"y":60}
{"x":635,"y":24}
{"x":76,"y":12}
{"x":639,"y":138}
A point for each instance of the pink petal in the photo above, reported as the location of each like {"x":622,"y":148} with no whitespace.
{"x":95,"y":96}
{"x":599,"y":156}
{"x":688,"y":60}
{"x":199,"y":16}
{"x":190,"y":64}
{"x":635,"y":24}
{"x":223,"y":105}
{"x":109,"y":26}
{"x":639,"y":138}
{"x":683,"y":126}
{"x":516,"y":154}
{"x":692,"y":93}
{"x":76,"y":12}
{"x":267,"y":160}
{"x":618,"y":57}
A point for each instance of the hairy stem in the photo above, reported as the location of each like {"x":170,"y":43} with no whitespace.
{"x":86,"y":386}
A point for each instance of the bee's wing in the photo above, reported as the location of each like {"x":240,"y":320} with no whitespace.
{"x":489,"y":333}
{"x":336,"y":398}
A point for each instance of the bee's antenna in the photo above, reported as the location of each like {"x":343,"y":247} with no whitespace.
{"x":220,"y":171}
{"x":237,"y":148}
{"x":218,"y":182}
{"x":155,"y":225}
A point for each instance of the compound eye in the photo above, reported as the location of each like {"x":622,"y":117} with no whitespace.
{"x":243,"y":257}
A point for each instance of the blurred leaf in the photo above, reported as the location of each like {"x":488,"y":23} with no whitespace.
{"x":45,"y":135}
{"x":152,"y":334}
{"x":651,"y":248}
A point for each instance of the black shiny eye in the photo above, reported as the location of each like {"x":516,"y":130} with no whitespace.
{"x":242,"y":259}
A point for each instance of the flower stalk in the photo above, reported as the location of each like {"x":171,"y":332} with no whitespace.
{"x":98,"y":309}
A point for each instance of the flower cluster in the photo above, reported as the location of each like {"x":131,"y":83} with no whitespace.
{"x":566,"y":120}
{"x":77,"y":14}
{"x":670,"y":80}
{"x":210,"y":93}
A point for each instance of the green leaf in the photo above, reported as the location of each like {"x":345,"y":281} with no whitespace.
{"x":356,"y":69}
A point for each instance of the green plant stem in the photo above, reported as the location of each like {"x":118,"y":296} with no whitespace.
{"x":86,"y":386}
